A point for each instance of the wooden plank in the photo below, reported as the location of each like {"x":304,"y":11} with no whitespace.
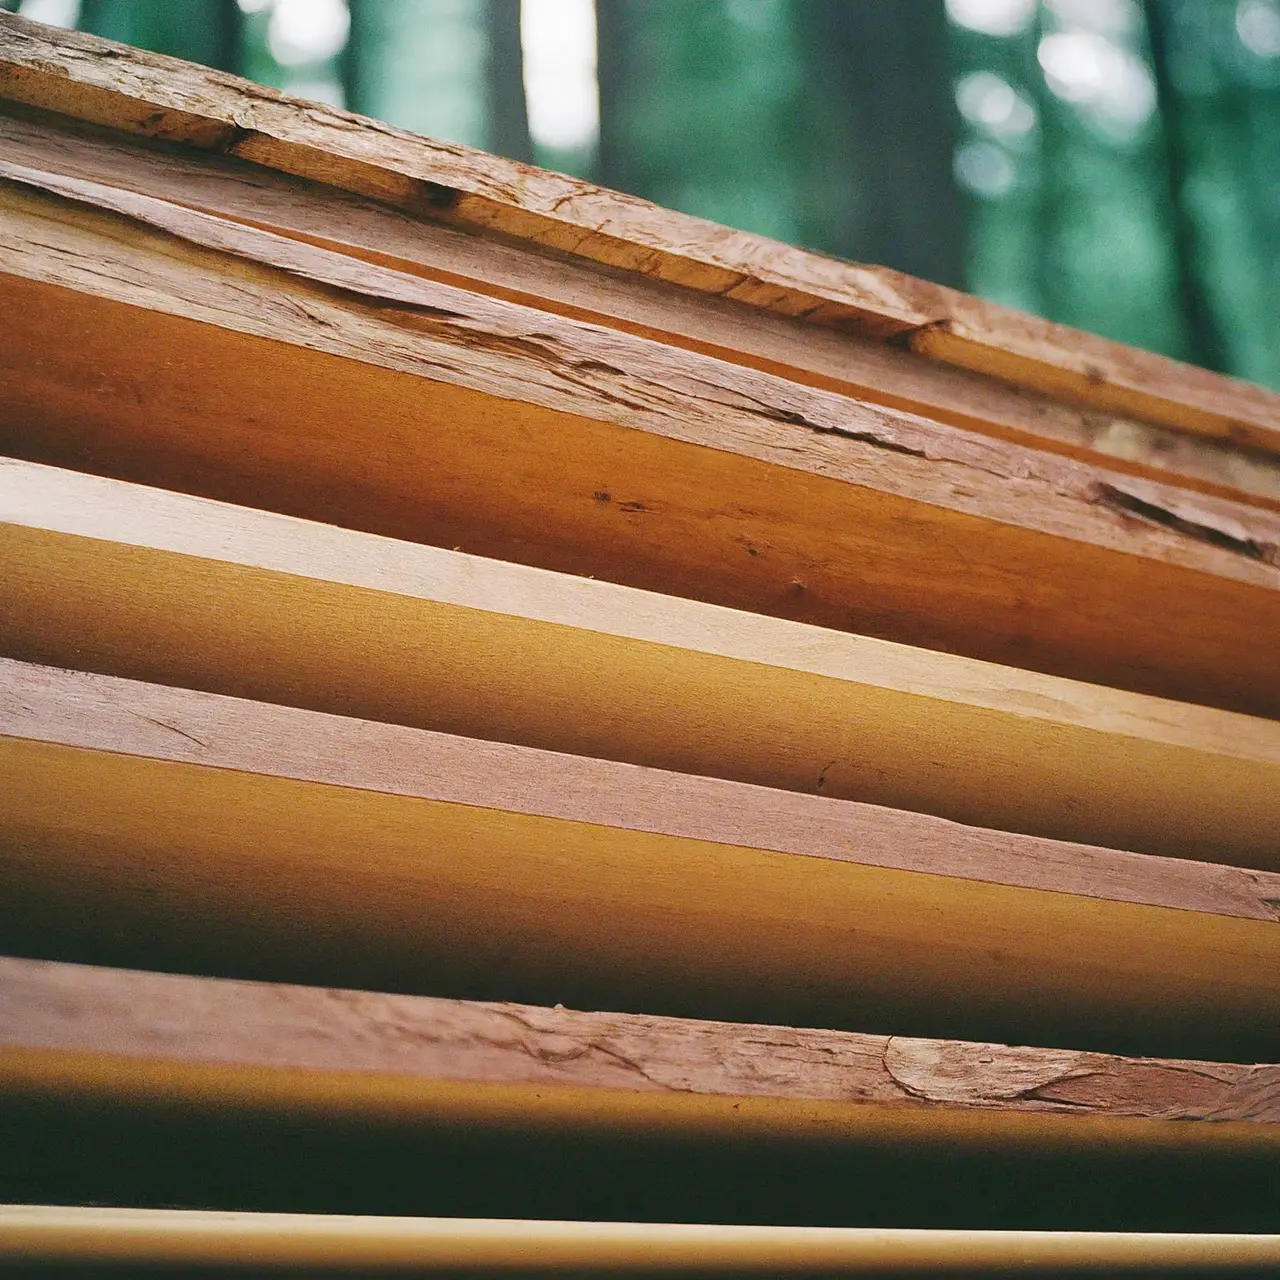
{"x":174,"y":1237}
{"x":117,"y":1037}
{"x":166,"y":828}
{"x":139,"y":582}
{"x":542,"y":439}
{"x":834,"y":359}
{"x":142,"y":93}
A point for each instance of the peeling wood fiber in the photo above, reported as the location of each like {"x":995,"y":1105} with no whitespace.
{"x":837,"y":360}
{"x":848,"y":515}
{"x":157,"y":97}
{"x":130,"y":1016}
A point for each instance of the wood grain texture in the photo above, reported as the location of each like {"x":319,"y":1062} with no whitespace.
{"x":834,"y":359}
{"x":529,"y":436}
{"x":80,"y":1030}
{"x":136,"y":92}
{"x":37,"y":1233}
{"x":138,"y":582}
{"x":162,"y":827}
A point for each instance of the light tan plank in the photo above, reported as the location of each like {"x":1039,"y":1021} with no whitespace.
{"x":138,"y":582}
{"x":142,"y":93}
{"x":162,"y":827}
{"x":31,"y":1233}
{"x":820,"y":356}
{"x":542,"y":439}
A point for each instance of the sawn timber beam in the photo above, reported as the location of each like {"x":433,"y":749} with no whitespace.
{"x":142,"y":93}
{"x":838,"y":360}
{"x":131,"y":581}
{"x":156,"y":343}
{"x":163,"y":827}
{"x":121,"y":1037}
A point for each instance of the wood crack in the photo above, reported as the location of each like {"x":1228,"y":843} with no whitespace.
{"x":84,"y":78}
{"x":1129,"y":504}
{"x":208,"y":231}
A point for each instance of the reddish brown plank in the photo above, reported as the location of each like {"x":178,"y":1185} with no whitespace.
{"x":100,"y":1032}
{"x":162,"y":827}
{"x":535,"y":437}
{"x":143,"y":93}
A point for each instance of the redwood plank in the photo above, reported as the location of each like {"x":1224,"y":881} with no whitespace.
{"x":836,"y":360}
{"x":147,"y":94}
{"x":529,"y":436}
{"x":131,"y":581}
{"x":118,"y":1036}
{"x":162,"y":828}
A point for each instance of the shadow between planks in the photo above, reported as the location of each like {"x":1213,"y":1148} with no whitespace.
{"x":180,"y":1090}
{"x":164,"y":587}
{"x":168,"y":828}
{"x":156,"y":343}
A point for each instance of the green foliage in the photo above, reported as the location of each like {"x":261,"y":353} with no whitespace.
{"x":420,"y":64}
{"x":1150,"y":217}
{"x":206,"y":31}
{"x":711,"y":114}
{"x":819,"y":122}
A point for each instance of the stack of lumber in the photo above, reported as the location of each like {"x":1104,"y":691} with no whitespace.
{"x":537,"y":732}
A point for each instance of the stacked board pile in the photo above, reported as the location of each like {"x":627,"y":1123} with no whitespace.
{"x":539,"y":732}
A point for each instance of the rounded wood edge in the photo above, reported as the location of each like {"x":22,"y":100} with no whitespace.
{"x":52,"y":1233}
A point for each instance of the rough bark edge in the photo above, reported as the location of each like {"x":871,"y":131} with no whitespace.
{"x":80,"y":1009}
{"x":109,"y":84}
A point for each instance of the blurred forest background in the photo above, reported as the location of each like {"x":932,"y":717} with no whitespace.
{"x":1113,"y":164}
